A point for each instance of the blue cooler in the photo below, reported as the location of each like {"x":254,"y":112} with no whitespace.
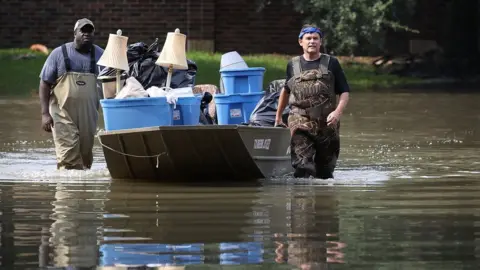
{"x":244,"y":80}
{"x":187,"y":111}
{"x":236,"y":109}
{"x":130,"y":113}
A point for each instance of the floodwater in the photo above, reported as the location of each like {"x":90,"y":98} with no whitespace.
{"x":406,"y":196}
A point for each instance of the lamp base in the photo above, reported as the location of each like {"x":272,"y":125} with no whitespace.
{"x":119,"y":72}
{"x":169,"y":78}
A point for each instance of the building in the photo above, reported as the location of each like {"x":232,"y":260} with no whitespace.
{"x":218,"y":25}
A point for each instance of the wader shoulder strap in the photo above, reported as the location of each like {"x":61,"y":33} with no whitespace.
{"x":324,"y":61}
{"x":93,"y":63}
{"x":297,"y":69}
{"x":65,"y":58}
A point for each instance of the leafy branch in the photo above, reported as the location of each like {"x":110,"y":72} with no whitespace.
{"x":353,"y":26}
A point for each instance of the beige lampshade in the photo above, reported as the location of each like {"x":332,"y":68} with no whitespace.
{"x":173,"y":52}
{"x":115,"y":54}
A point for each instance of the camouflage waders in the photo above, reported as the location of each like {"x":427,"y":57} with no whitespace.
{"x":314,"y":145}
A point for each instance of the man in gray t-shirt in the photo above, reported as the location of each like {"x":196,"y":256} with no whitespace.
{"x":69,"y":97}
{"x":54,"y":67}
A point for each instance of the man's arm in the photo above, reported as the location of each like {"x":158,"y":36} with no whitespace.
{"x":342,"y":102}
{"x":282,"y":103}
{"x":342,"y":89}
{"x":44,"y":93}
{"x":284,"y":95}
{"x":48,"y":75}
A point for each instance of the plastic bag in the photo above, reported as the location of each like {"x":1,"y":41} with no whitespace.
{"x":132,"y":89}
{"x":155,"y":91}
{"x":141,"y":62}
{"x":266,"y":110}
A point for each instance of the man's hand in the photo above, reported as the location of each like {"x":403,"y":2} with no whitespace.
{"x":333,"y":118}
{"x":279,"y":123}
{"x":47,"y":122}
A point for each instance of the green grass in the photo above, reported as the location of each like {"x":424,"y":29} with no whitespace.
{"x":359,"y":76}
{"x":20,"y":76}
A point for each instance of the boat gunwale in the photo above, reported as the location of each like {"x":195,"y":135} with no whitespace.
{"x":184,"y":127}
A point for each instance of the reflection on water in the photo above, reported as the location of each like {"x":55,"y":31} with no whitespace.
{"x":405,"y":196}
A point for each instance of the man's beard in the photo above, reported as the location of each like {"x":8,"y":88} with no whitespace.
{"x":84,"y":45}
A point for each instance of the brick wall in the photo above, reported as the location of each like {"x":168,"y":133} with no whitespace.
{"x":51,"y":22}
{"x":220,"y":25}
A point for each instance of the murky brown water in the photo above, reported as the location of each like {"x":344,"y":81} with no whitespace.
{"x":406,"y":196}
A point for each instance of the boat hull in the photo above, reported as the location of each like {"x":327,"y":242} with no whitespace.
{"x":211,"y":152}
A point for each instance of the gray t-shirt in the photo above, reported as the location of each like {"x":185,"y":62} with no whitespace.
{"x":54,"y":67}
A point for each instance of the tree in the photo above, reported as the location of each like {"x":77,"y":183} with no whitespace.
{"x":353,"y":26}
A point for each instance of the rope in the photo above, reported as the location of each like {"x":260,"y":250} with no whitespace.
{"x":131,"y":155}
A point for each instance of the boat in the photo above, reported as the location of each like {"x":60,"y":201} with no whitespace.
{"x":141,"y":142}
{"x":197,"y":152}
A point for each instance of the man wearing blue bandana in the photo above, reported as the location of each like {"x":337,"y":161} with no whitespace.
{"x":314,"y":83}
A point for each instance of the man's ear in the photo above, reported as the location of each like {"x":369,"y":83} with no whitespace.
{"x":300,"y":41}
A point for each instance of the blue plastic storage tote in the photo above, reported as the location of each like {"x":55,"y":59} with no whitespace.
{"x":245,"y":80}
{"x":130,"y":113}
{"x":187,"y":111}
{"x":235,"y":109}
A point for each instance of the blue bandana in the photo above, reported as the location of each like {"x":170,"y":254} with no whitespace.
{"x":310,"y":30}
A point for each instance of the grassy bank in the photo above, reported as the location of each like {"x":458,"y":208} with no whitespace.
{"x":19,"y":70}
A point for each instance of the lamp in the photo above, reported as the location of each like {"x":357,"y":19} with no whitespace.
{"x":115,"y":55}
{"x":173,"y":54}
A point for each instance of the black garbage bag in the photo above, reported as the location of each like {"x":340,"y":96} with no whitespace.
{"x":266,"y":110}
{"x":141,"y":62}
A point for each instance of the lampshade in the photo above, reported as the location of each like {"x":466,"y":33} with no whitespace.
{"x":115,"y":54}
{"x":173,"y":52}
